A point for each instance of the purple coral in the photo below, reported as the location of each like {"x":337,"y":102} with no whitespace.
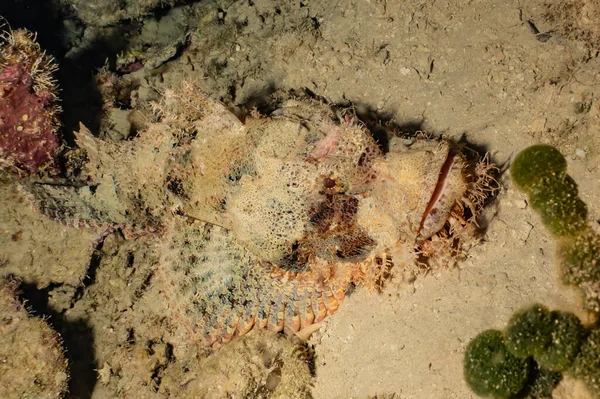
{"x":29,"y":142}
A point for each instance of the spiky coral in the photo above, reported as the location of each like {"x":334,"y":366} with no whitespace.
{"x":28,"y":105}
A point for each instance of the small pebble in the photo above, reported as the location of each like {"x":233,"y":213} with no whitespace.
{"x":521,"y":204}
{"x":538,"y":125}
{"x":580,"y":153}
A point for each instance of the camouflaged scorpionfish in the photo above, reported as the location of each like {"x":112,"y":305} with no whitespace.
{"x":267,"y":223}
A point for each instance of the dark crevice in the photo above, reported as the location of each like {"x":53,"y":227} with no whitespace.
{"x":383,"y":125}
{"x":156,"y":376}
{"x":90,"y":277}
{"x":144,"y":286}
{"x":77,"y":336}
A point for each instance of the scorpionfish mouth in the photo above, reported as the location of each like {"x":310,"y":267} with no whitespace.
{"x":449,"y":190}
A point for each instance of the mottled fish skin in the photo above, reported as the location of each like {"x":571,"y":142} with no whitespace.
{"x":112,"y":193}
{"x":267,"y":224}
{"x":221,"y":299}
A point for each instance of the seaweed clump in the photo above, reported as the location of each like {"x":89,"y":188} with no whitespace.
{"x":540,"y":172}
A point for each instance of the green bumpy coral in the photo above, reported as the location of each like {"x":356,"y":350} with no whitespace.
{"x":552,"y":338}
{"x":587,"y":363}
{"x":567,"y":335}
{"x":534,"y":164}
{"x":540,"y":172}
{"x":529,"y":331}
{"x":529,"y":358}
{"x":558,"y":203}
{"x":580,"y":259}
{"x":491,"y":370}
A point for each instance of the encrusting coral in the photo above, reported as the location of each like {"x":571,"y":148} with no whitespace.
{"x":257,"y":365}
{"x":267,"y":223}
{"x":32,"y":363}
{"x":29,"y":140}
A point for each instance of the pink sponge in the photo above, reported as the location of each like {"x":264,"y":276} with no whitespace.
{"x":29,"y":142}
